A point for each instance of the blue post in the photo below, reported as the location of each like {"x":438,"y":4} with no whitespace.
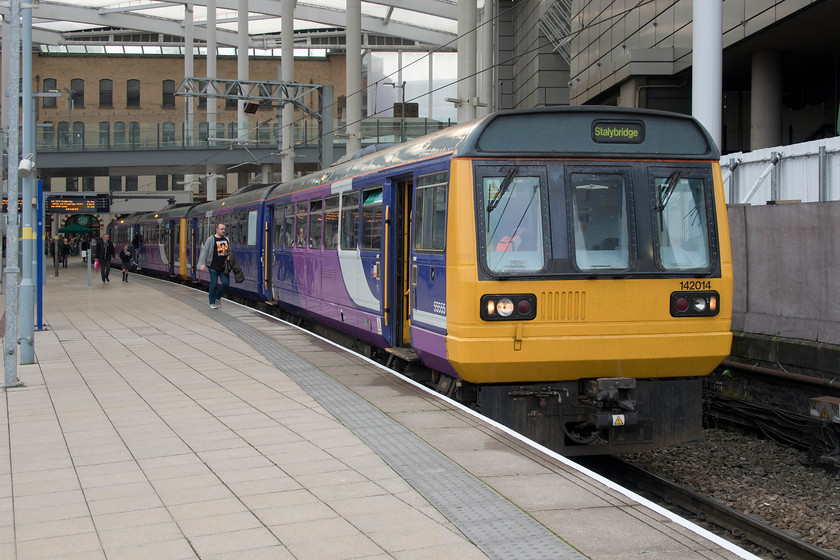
{"x":39,"y":315}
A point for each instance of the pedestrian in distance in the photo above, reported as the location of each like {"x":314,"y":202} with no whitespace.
{"x":104,"y":254}
{"x":125,"y":257}
{"x":66,"y":249}
{"x":213,"y":255}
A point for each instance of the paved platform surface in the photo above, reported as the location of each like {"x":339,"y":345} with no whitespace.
{"x":153,"y":427}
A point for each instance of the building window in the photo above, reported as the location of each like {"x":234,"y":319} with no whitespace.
{"x":49,"y":84}
{"x":106,"y":94}
{"x":161,"y":182}
{"x":104,"y":132}
{"x":168,"y":94}
{"x":115,"y":183}
{"x":177,"y":182}
{"x":132,"y":88}
{"x":203,"y":132}
{"x":46,"y":183}
{"x":131,"y":182}
{"x":72,"y":184}
{"x":77,"y":89}
{"x":88,"y":184}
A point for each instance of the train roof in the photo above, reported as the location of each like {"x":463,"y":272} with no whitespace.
{"x":245,"y":195}
{"x":575,"y":132}
{"x":589,"y":131}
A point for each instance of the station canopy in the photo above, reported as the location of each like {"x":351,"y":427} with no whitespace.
{"x":85,"y":26}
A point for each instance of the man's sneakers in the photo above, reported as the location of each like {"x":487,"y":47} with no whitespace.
{"x":213,"y":306}
{"x":218,"y":304}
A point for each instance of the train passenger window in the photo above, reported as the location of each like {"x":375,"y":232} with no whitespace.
{"x":682,"y":223}
{"x":372,"y":219}
{"x":430,"y":213}
{"x":513,"y":223}
{"x":300,"y":226}
{"x":599,"y":218}
{"x":349,"y":219}
{"x":331,"y":222}
{"x":252,"y":228}
{"x":279,"y":238}
{"x":316,"y":218}
{"x":289,"y":226}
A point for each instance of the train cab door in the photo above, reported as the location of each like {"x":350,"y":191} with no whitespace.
{"x":398,"y":223}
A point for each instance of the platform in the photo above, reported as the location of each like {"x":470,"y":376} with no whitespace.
{"x":154,"y":427}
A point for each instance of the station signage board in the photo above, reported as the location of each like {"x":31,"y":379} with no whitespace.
{"x":88,"y":204}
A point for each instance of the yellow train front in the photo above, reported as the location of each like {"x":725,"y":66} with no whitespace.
{"x":589,"y":275}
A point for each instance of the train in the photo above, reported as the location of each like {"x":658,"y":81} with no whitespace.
{"x":566,"y":271}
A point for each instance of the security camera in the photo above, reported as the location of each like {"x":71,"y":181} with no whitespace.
{"x":26,"y":167}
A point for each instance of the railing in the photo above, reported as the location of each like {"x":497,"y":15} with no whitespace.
{"x":807,"y":172}
{"x":92,"y":134}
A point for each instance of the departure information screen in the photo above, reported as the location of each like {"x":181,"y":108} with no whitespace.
{"x":99,"y":203}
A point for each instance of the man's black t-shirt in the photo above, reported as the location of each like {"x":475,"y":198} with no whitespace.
{"x":220,"y":253}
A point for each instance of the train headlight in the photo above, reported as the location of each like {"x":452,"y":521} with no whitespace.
{"x":504,"y":307}
{"x":695,"y":304}
{"x":508,"y":307}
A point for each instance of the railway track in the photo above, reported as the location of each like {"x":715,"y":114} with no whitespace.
{"x":736,"y":525}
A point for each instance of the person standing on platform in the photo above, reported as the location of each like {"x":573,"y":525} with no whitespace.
{"x":125,"y":257}
{"x":104,"y":253}
{"x":213,"y":255}
{"x":66,"y":249}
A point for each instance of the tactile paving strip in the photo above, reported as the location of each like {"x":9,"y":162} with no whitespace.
{"x":499,"y":528}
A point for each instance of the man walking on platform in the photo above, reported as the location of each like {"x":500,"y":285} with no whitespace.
{"x":213,"y":255}
{"x":104,"y":253}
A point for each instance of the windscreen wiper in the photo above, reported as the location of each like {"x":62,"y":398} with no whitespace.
{"x":502,"y":188}
{"x":665,"y":195}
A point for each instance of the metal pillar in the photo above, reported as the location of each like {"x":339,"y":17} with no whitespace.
{"x":211,"y":101}
{"x":287,"y":74}
{"x":27,"y":286}
{"x":353,"y":111}
{"x":189,"y":102}
{"x":10,"y":338}
{"x":242,"y":66}
{"x":706,"y":73}
{"x":467,"y":19}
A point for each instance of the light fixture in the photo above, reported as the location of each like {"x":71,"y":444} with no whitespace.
{"x":26,"y":167}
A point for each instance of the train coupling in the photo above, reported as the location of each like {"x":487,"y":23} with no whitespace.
{"x":611,"y":401}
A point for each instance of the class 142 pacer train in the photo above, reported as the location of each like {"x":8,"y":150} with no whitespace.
{"x":565,"y":271}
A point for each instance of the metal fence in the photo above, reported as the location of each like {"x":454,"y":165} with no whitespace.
{"x":806,"y":172}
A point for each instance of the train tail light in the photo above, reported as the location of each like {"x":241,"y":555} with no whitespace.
{"x":695,"y":304}
{"x":508,"y":307}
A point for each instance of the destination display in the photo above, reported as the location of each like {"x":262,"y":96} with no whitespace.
{"x":618,"y":132}
{"x":98,"y":203}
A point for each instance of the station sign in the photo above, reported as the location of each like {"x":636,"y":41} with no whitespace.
{"x":87,"y":204}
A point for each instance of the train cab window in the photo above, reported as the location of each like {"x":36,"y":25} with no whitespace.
{"x":513,"y":223}
{"x":300,"y":225}
{"x":599,"y":218}
{"x":331,"y":222}
{"x":372,"y":219}
{"x":316,"y":219}
{"x":430,"y":213}
{"x":681,"y":222}
{"x":349,"y":219}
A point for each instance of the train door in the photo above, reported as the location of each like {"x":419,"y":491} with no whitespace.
{"x":267,"y":252}
{"x":398,"y":225}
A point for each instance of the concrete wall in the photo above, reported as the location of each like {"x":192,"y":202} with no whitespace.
{"x":787,"y":270}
